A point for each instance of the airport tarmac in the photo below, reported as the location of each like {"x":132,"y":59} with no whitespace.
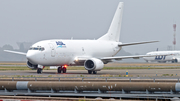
{"x":84,"y":73}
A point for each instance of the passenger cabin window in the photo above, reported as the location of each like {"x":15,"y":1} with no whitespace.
{"x":37,"y":48}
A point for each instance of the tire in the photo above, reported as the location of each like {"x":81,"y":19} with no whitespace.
{"x":94,"y":72}
{"x":39,"y":70}
{"x":175,"y":61}
{"x":64,"y":70}
{"x":89,"y":72}
{"x":59,"y":69}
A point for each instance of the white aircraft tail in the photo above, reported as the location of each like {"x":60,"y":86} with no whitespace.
{"x":113,"y":33}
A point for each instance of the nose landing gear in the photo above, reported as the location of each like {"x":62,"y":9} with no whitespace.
{"x":39,"y":70}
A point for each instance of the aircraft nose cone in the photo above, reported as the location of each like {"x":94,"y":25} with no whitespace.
{"x":31,"y":56}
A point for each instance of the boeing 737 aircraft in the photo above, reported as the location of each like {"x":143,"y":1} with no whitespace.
{"x":92,"y":54}
{"x":174,"y":58}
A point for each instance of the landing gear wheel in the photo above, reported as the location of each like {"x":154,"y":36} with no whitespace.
{"x":59,"y":69}
{"x":64,"y":70}
{"x":89,"y":72}
{"x":94,"y":72}
{"x":39,"y":70}
{"x":175,"y":61}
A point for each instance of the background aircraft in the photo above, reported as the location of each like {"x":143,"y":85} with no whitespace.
{"x":174,"y":58}
{"x":92,"y":54}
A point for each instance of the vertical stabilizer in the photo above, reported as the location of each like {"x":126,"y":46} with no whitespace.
{"x":113,"y":33}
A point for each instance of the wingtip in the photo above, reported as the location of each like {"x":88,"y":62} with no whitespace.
{"x":5,"y":50}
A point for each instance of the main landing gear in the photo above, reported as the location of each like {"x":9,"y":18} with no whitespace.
{"x":90,"y":72}
{"x":61,"y":68}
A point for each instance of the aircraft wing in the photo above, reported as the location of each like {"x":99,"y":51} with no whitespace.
{"x":135,"y":43}
{"x":109,"y":59}
{"x":21,"y":53}
{"x":80,"y":60}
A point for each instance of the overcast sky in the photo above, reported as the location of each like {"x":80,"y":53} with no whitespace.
{"x":36,"y":20}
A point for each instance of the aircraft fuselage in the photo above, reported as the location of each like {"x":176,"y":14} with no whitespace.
{"x":64,"y":52}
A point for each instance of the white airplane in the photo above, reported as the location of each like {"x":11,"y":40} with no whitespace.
{"x":161,"y":58}
{"x":92,"y":54}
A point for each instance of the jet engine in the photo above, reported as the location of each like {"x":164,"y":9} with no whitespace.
{"x":30,"y":65}
{"x":176,"y":60}
{"x":93,"y":64}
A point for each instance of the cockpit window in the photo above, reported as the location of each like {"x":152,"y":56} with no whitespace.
{"x":42,"y":49}
{"x":37,"y":48}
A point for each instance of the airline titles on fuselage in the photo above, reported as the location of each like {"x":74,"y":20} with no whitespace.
{"x":60,"y":44}
{"x":160,"y":57}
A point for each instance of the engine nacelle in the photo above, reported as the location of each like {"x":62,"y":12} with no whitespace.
{"x":93,"y":64}
{"x":30,"y":65}
{"x":176,"y":60}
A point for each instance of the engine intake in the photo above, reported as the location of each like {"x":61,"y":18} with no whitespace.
{"x":93,"y":64}
{"x":31,"y":66}
{"x":175,"y":60}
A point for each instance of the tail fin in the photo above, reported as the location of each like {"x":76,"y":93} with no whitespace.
{"x":113,"y":33}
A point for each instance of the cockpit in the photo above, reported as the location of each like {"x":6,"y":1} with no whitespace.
{"x":37,"y":48}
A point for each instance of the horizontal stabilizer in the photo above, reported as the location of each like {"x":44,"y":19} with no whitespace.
{"x":15,"y":52}
{"x":135,"y":43}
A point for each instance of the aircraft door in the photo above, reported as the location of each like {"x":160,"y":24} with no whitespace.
{"x":53,"y":51}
